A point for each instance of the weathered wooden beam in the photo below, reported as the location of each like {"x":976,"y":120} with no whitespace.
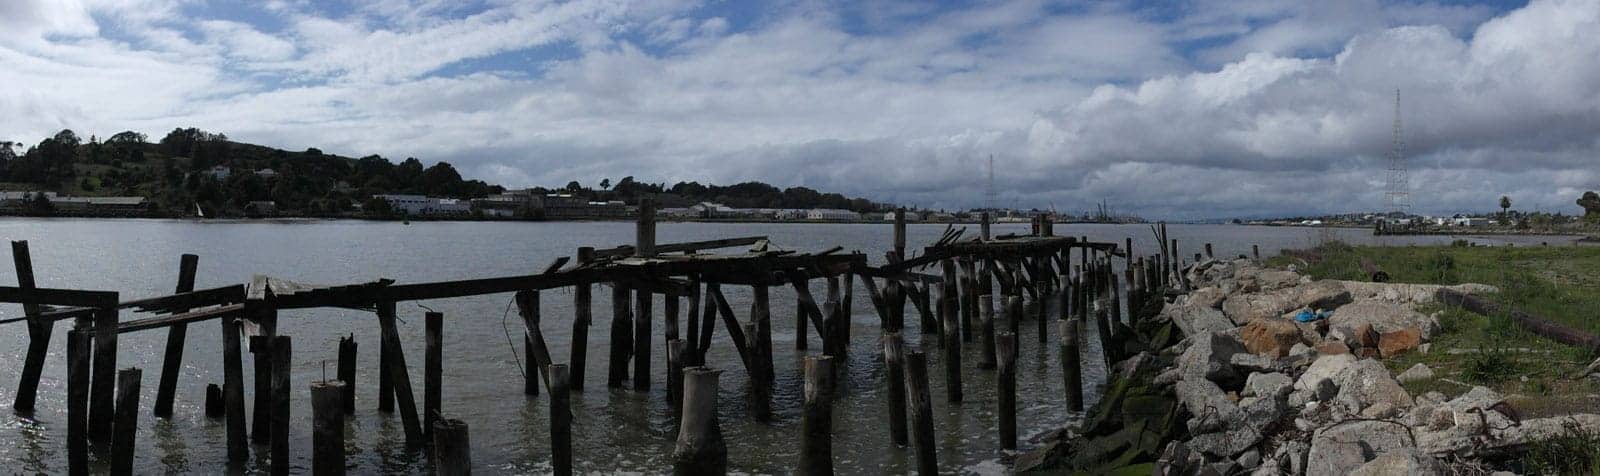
{"x":58,"y":297}
{"x":627,"y":250}
{"x":38,"y":332}
{"x":172,"y":361}
{"x":399,"y":375}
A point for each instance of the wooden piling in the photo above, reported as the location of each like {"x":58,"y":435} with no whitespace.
{"x":921,"y":407}
{"x":952,"y":349}
{"x":432,"y":369}
{"x":1255,"y":251}
{"x":233,"y":391}
{"x":986,"y":332}
{"x":127,"y":423}
{"x":78,"y":402}
{"x":983,"y":225}
{"x":800,"y":318}
{"x":708,"y":324}
{"x":899,"y":235}
{"x":621,"y":335}
{"x":38,"y":333}
{"x":347,"y":372}
{"x":760,"y":394}
{"x":530,"y":367}
{"x":280,"y":404}
{"x":1208,"y":252}
{"x":645,"y":236}
{"x":700,"y":449}
{"x":327,"y":427}
{"x":101,"y":388}
{"x":693,"y":325}
{"x":643,"y":315}
{"x":214,"y":405}
{"x":172,"y":363}
{"x":761,"y":315}
{"x":399,"y":374}
{"x":1072,"y":364}
{"x":582,"y":317}
{"x":385,"y":384}
{"x":675,"y":362}
{"x":561,"y":419}
{"x":452,"y":448}
{"x":1006,"y":346}
{"x":816,"y":418}
{"x":266,"y":320}
{"x":894,"y":378}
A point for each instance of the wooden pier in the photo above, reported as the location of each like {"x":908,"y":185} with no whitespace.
{"x":952,"y":284}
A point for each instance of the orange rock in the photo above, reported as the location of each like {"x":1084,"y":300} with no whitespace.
{"x":1271,"y":337}
{"x":1399,"y":342}
{"x":1332,"y":347}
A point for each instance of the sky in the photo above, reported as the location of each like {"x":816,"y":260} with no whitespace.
{"x":1175,"y":109}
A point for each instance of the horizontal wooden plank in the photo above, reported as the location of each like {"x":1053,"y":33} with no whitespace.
{"x":627,"y":250}
{"x":184,"y":318}
{"x":58,"y":297}
{"x":183,"y":301}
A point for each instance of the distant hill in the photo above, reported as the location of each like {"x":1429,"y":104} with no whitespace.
{"x":190,"y":167}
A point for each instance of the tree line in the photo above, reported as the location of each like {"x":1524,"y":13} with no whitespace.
{"x":185,"y":170}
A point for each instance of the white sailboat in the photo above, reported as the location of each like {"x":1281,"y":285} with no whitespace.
{"x":198,"y":212}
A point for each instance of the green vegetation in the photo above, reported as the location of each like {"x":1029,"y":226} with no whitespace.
{"x":1575,"y":451}
{"x":176,"y":174}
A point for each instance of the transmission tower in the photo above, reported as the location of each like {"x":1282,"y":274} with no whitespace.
{"x":1399,"y":178}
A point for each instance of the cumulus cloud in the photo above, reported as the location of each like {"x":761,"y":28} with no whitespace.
{"x":1185,"y":110}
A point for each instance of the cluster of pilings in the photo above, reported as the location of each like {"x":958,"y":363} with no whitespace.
{"x":985,"y":288}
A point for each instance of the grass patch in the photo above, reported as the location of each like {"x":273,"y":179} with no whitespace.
{"x":1575,"y":451}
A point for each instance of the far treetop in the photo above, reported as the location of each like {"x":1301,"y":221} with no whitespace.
{"x":190,"y":167}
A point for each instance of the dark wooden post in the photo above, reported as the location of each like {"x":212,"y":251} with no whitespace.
{"x":983,"y":225}
{"x":986,"y":332}
{"x":760,"y":396}
{"x":214,"y":406}
{"x":645,"y":236}
{"x":127,"y":424}
{"x":700,"y":449}
{"x":452,"y":448}
{"x":38,"y":333}
{"x":399,"y":374}
{"x":1006,"y":345}
{"x":948,"y":303}
{"x":432,"y":369}
{"x":621,"y":335}
{"x":1208,"y":251}
{"x":530,"y":366}
{"x":816,"y":418}
{"x":385,"y":384}
{"x":77,"y":402}
{"x":1255,"y":251}
{"x":280,"y":404}
{"x":327,"y":427}
{"x":102,"y":397}
{"x":643,"y":314}
{"x":846,"y":311}
{"x":692,"y":327}
{"x":894,"y":378}
{"x":967,"y":296}
{"x":675,"y":355}
{"x":347,"y":372}
{"x":921,"y":412}
{"x":233,"y":390}
{"x":1071,"y":364}
{"x":800,"y":340}
{"x":761,"y":315}
{"x":172,"y":363}
{"x":708,"y":323}
{"x":561,"y":419}
{"x":583,"y":316}
{"x":266,"y":320}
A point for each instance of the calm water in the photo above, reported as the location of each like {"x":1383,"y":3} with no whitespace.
{"x":617,"y":430}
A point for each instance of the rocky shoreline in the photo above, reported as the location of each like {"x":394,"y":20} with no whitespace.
{"x":1250,"y":389}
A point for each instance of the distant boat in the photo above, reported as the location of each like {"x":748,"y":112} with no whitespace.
{"x":198,"y":212}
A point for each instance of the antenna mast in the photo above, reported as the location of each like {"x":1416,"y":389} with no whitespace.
{"x":1399,"y":178}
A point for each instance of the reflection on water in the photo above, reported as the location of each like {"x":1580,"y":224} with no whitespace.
{"x":612,"y":429}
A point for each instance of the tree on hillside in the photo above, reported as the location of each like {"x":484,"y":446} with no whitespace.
{"x":605,"y":184}
{"x":1505,"y":206}
{"x":8,"y":150}
{"x":573,"y":186}
{"x":126,"y":138}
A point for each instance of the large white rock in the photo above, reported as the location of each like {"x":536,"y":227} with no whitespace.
{"x":1384,"y":316}
{"x":1407,"y":292}
{"x":1325,"y":367}
{"x":1344,"y":447}
{"x":1416,"y":373}
{"x":1194,"y":319}
{"x":1367,"y":382}
{"x":1407,"y":462}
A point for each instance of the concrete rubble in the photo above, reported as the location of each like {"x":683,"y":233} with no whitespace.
{"x":1266,"y":394}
